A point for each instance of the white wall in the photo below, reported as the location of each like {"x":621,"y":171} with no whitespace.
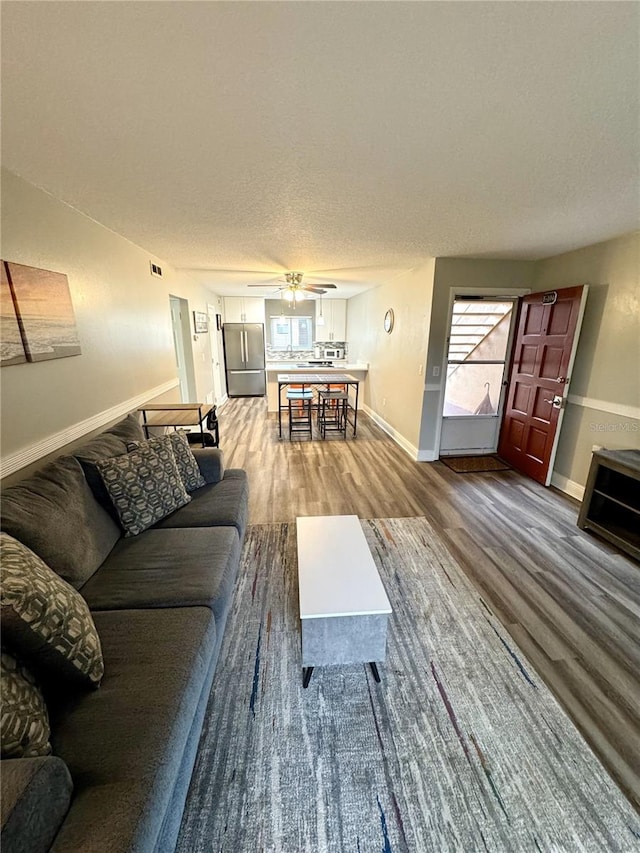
{"x":123,"y":319}
{"x":394,"y":387}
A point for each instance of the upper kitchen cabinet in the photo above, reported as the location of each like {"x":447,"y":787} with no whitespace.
{"x":243,"y":309}
{"x":334,"y":312}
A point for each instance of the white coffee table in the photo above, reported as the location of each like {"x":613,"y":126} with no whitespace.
{"x":344,"y":608}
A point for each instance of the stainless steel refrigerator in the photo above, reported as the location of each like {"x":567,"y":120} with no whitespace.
{"x":244,"y":359}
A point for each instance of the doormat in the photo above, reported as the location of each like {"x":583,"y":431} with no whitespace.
{"x":474,"y":464}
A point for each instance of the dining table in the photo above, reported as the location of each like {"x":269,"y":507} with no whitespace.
{"x":319,"y":380}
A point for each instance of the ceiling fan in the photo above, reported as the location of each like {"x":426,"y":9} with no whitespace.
{"x":294,"y":290}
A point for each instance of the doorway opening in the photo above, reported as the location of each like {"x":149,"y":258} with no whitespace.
{"x":183,"y":352}
{"x":479,"y":342}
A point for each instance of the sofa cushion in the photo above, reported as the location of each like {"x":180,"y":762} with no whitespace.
{"x":168,"y":568}
{"x":128,"y":429}
{"x":221,"y":504}
{"x":210,"y":462}
{"x":55,"y":514}
{"x":45,"y":619}
{"x":36,"y":793}
{"x":24,"y":723}
{"x":185,"y":460}
{"x":144,"y":486}
{"x":123,"y":744}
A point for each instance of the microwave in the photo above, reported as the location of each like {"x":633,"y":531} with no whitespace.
{"x":333,"y":352}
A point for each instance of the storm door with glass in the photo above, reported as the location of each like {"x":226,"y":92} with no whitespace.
{"x":478,"y":350}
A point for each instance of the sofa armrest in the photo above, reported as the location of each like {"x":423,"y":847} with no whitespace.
{"x":36,"y":794}
{"x":211,"y":463}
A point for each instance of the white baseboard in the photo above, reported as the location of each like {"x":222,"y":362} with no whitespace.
{"x":13,"y":462}
{"x":569,"y":487}
{"x":399,"y":439}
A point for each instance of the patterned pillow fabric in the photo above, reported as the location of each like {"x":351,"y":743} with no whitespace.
{"x":24,"y":722}
{"x":144,"y":485}
{"x":45,"y":619}
{"x":185,"y":460}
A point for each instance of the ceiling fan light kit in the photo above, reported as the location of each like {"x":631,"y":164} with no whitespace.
{"x":294,"y":290}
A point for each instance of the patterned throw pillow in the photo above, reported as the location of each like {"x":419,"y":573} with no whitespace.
{"x":24,"y":723}
{"x":185,"y":460}
{"x":144,"y":485}
{"x":45,"y":619}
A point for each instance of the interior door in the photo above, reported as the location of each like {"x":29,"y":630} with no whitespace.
{"x":543,"y":356}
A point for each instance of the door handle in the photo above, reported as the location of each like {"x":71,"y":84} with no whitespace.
{"x":242,"y":358}
{"x":557,"y":401}
{"x":246,"y":346}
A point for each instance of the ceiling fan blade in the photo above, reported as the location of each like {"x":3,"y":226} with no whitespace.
{"x":324,"y":284}
{"x":311,"y":289}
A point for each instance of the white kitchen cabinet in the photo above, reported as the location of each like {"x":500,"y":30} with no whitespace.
{"x":243,"y":309}
{"x":334,"y":312}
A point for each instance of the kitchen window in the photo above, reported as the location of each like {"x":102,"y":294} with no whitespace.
{"x":291,"y":333}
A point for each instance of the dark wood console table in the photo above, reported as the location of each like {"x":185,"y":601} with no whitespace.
{"x":611,"y":503}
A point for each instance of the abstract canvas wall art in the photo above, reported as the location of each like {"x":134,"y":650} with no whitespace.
{"x":45,"y":312}
{"x":11,"y":346}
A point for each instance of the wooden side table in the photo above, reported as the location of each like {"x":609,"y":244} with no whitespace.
{"x":611,"y":503}
{"x":174,"y":415}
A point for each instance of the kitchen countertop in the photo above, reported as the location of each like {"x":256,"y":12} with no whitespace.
{"x":338,"y":367}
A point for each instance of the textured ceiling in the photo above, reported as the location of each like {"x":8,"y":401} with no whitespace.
{"x":350,"y":140}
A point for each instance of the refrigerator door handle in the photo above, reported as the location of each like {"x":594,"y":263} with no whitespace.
{"x":246,"y":346}
{"x":243,"y":358}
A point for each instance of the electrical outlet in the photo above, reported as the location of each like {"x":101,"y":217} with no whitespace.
{"x":419,"y":370}
{"x":384,"y":401}
{"x":436,"y":371}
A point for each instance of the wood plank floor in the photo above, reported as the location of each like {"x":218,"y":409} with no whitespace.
{"x":570,"y":601}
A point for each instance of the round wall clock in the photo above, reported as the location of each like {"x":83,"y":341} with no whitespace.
{"x":388,"y":321}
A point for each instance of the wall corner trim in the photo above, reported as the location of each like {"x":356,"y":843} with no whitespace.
{"x":27,"y":455}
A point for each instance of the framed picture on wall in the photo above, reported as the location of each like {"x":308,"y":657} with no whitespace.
{"x":44,"y":312}
{"x":200,"y":323}
{"x":11,"y":346}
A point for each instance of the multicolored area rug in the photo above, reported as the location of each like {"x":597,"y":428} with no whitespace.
{"x":460,"y":748}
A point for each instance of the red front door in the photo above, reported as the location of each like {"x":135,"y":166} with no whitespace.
{"x":543,"y":355}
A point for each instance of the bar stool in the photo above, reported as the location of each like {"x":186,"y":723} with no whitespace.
{"x":299,"y":399}
{"x":333,"y":412}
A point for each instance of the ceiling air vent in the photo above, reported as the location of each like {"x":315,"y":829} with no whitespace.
{"x":155,"y":269}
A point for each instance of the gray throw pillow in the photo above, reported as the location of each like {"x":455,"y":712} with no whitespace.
{"x":144,"y":486}
{"x":24,"y":723}
{"x":45,"y":619}
{"x":185,"y":460}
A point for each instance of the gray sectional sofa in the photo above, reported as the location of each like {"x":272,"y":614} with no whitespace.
{"x":123,"y":754}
